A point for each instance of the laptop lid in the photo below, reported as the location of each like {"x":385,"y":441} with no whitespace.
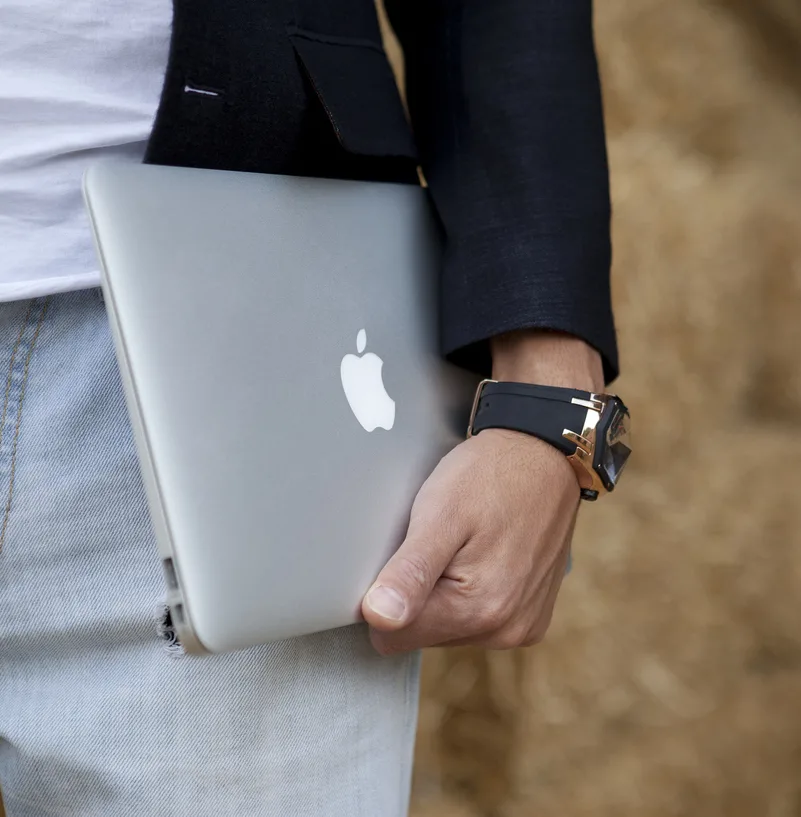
{"x":277,"y":338}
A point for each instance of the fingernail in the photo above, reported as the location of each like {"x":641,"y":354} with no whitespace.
{"x":388,"y":603}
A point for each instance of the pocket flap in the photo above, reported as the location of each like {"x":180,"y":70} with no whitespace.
{"x":356,"y":86}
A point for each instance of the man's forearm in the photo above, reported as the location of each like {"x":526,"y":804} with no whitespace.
{"x":547,"y":359}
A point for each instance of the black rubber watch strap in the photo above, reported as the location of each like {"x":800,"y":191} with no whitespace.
{"x":541,"y":411}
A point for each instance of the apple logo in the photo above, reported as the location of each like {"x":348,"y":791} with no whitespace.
{"x":364,"y":388}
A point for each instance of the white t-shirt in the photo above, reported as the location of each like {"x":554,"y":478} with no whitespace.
{"x":79,"y":80}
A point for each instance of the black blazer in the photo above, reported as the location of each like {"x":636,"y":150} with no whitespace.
{"x":505,"y":105}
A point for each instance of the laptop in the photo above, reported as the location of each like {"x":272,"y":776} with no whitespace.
{"x":277,"y":338}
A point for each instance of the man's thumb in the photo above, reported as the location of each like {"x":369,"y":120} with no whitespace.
{"x":402,"y":588}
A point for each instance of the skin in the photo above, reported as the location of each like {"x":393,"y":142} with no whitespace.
{"x":490,"y":530}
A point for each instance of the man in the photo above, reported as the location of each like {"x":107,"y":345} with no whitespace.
{"x":97,"y":714}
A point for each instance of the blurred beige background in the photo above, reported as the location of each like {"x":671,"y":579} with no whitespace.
{"x":670,"y":683}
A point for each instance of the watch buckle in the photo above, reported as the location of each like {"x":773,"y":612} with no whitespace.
{"x":476,"y":401}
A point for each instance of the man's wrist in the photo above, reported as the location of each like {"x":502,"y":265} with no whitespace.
{"x":547,"y":359}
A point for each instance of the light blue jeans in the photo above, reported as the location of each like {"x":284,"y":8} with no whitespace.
{"x":99,"y":715}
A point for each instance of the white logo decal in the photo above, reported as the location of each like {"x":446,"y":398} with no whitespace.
{"x":364,"y":388}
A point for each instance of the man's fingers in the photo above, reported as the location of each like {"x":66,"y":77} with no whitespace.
{"x":445,"y":616}
{"x":403,"y":586}
{"x":519,"y":632}
{"x":454,"y":618}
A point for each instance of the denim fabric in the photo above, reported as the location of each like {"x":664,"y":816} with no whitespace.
{"x":99,"y":715}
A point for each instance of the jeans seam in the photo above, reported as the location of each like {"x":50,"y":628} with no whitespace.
{"x":10,"y":378}
{"x":23,"y":386}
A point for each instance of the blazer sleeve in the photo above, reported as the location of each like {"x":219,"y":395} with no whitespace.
{"x":505,"y":102}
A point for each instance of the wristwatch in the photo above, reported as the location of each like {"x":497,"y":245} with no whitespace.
{"x":592,"y":430}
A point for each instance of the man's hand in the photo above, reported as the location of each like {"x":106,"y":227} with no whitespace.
{"x":490,"y":530}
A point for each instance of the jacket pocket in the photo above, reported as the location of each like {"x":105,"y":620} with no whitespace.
{"x":355,"y":84}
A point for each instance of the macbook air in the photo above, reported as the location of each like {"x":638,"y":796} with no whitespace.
{"x":277,"y":338}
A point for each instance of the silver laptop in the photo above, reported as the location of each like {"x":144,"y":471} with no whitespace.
{"x":277,"y":338}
